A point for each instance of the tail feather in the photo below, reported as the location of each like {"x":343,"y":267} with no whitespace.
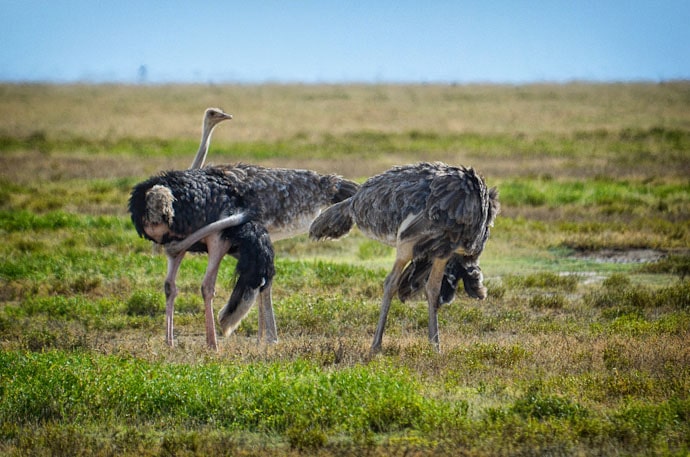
{"x":494,"y":205}
{"x":346,"y":189}
{"x":255,"y":271}
{"x":472,"y":280}
{"x":237,"y":308}
{"x":413,"y":278}
{"x":335,"y":222}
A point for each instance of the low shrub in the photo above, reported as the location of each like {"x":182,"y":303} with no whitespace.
{"x":543,"y":280}
{"x":540,"y":406}
{"x":547,"y":301}
{"x":144,"y":303}
{"x":618,"y":291}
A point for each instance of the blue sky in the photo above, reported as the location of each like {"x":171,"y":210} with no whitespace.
{"x":495,"y":41}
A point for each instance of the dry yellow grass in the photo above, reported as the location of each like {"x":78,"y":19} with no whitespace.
{"x":320,"y":113}
{"x":272,"y":112}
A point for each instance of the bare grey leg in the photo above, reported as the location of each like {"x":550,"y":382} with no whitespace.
{"x":390,"y":286}
{"x":262,"y":321}
{"x":170,"y":294}
{"x":433,"y":290}
{"x":216,"y":250}
{"x":268,"y":320}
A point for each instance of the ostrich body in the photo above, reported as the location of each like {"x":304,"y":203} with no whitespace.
{"x":436,"y":216}
{"x":231,"y":209}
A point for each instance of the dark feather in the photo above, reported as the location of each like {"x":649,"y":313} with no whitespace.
{"x":452,"y":205}
{"x":276,"y":197}
{"x":416,"y":274}
{"x":254,"y":270}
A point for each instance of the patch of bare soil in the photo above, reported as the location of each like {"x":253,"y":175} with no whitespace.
{"x":622,"y":255}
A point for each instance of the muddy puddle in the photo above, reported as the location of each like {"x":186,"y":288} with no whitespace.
{"x":622,"y":255}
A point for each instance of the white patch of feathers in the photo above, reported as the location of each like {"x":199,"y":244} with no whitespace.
{"x":297,"y":226}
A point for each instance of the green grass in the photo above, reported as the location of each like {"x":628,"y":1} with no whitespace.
{"x":83,"y":351}
{"x":611,"y":195}
{"x":648,"y":150}
{"x":258,"y":397}
{"x":572,"y":352}
{"x":307,"y":404}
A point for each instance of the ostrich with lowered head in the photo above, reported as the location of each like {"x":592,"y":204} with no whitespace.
{"x":436,"y":216}
{"x":175,"y":254}
{"x":231,"y":209}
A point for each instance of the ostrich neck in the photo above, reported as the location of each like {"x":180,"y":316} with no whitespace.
{"x":203,"y":149}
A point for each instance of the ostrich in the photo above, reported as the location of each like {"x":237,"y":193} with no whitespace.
{"x":175,"y":254}
{"x":437,"y":217}
{"x":231,"y":209}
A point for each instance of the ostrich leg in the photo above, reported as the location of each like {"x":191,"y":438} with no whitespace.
{"x":262,"y":323}
{"x":175,"y":252}
{"x":390,"y":286}
{"x":170,"y":288}
{"x":216,"y":251}
{"x":433,"y":291}
{"x":267,"y":320}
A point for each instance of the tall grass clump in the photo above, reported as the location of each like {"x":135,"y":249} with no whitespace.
{"x":619,"y":291}
{"x":548,"y":301}
{"x":537,"y":405}
{"x":144,"y":303}
{"x":543,"y":280}
{"x":674,"y":264}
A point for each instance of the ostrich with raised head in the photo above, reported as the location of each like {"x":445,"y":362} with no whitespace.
{"x":436,"y":216}
{"x":231,"y":209}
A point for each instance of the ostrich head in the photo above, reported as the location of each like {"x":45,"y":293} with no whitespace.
{"x":214,"y":116}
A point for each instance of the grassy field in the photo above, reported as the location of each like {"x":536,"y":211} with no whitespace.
{"x":581,"y":347}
